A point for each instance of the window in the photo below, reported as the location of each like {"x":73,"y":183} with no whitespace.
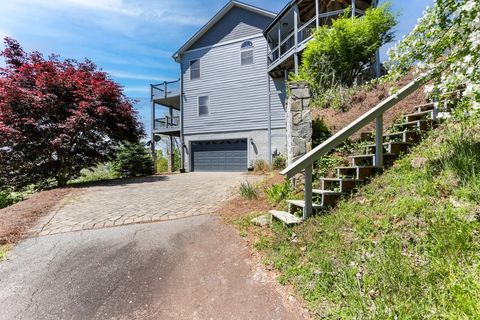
{"x":203,"y":103}
{"x":246,"y":53}
{"x":194,"y":69}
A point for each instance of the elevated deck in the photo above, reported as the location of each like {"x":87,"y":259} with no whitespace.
{"x":166,"y":94}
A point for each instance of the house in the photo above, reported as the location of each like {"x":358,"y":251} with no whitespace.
{"x":227,"y":110}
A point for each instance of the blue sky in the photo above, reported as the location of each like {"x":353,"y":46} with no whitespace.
{"x":133,"y":40}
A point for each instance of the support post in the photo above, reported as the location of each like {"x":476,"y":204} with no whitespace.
{"x":182,"y":139}
{"x":308,"y":209}
{"x":379,"y":141}
{"x":270,"y":160}
{"x":354,"y":9}
{"x":152,"y":138}
{"x":279,"y":40}
{"x":378,"y":65}
{"x":295,"y":23}
{"x":317,"y":12}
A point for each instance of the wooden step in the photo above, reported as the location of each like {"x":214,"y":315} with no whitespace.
{"x":396,"y":147}
{"x":425,"y":107}
{"x":285,"y":217}
{"x":425,"y":124}
{"x":341,"y":184}
{"x":329,"y":198}
{"x":301,"y":204}
{"x":419,"y":116}
{"x":369,"y":159}
{"x":357,"y":172}
{"x":410,"y":136}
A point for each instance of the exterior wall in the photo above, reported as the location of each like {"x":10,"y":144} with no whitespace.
{"x":257,"y":147}
{"x":237,"y":23}
{"x":238,"y":94}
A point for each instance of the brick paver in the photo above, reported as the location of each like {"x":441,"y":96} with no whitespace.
{"x":142,"y":201}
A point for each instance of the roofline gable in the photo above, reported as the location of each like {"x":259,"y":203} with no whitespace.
{"x":229,"y":6}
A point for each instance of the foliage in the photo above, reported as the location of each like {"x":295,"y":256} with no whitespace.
{"x":3,"y":252}
{"x":57,"y":118}
{"x":261,"y":166}
{"x":279,"y":163}
{"x":101,"y":172}
{"x":8,"y":197}
{"x":320,"y":132}
{"x":445,"y":43}
{"x":279,"y":193}
{"x":133,"y":159}
{"x":325,"y":164}
{"x":339,"y":53}
{"x":162,"y":162}
{"x":412,"y":232}
{"x":248,"y":190}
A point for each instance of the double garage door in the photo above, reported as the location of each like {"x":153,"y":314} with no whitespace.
{"x":220,"y":155}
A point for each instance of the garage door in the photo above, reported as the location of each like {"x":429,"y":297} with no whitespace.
{"x":221,"y":155}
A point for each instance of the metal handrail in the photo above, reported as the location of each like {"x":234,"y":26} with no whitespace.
{"x":308,"y":159}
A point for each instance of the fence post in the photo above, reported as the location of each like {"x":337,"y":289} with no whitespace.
{"x":379,"y":141}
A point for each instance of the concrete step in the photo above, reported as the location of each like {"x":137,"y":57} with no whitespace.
{"x":369,"y":159}
{"x":409,"y":136}
{"x":419,"y":116}
{"x":389,"y":147}
{"x":357,"y":172}
{"x":343,"y":185}
{"x":329,"y":198}
{"x":301,"y":204}
{"x":285,"y":217}
{"x":425,"y":124}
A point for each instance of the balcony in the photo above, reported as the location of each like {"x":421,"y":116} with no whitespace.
{"x":166,"y":125}
{"x":293,"y":29}
{"x":166,"y":94}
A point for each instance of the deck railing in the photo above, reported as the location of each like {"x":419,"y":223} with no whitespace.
{"x":167,"y":123}
{"x":306,"y":162}
{"x":165,"y":89}
{"x":305,"y":34}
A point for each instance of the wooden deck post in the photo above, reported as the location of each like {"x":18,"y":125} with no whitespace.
{"x":152,"y":141}
{"x":295,"y":23}
{"x":353,"y":8}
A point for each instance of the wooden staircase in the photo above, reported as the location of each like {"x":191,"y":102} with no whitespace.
{"x":362,"y":166}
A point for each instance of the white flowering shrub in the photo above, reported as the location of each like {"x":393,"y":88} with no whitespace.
{"x":445,"y":44}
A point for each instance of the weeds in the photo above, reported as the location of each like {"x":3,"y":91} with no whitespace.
{"x":278,"y":193}
{"x":248,"y":191}
{"x":261,"y":166}
{"x":279,"y":163}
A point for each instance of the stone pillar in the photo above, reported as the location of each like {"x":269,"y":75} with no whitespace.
{"x":299,"y":122}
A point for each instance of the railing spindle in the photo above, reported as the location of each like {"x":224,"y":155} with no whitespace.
{"x":308,"y":210}
{"x":379,"y":141}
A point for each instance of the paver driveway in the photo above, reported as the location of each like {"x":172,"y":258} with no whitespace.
{"x":140,"y":200}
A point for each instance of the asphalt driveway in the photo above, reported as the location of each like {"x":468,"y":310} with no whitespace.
{"x":190,"y":268}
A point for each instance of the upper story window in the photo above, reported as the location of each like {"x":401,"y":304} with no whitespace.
{"x":246,"y":53}
{"x":195,"y":69}
{"x":203,"y":105}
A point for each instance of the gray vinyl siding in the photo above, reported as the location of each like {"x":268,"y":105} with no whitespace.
{"x":237,"y":23}
{"x":238,"y":95}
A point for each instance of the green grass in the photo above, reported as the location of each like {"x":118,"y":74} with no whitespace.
{"x":248,"y":190}
{"x":407,"y":246}
{"x":3,"y":252}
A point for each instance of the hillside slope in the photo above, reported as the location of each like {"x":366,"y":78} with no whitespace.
{"x":406,"y":246}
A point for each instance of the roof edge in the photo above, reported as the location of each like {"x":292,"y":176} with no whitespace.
{"x":219,"y":15}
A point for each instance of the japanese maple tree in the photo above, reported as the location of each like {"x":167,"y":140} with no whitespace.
{"x":58,"y":117}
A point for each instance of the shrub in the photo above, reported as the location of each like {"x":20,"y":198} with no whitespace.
{"x":278,"y":193}
{"x":101,"y":172}
{"x":338,"y":54}
{"x":133,"y":159}
{"x":279,"y":163}
{"x":261,"y":166}
{"x":320,"y":132}
{"x":248,"y":191}
{"x":8,"y":198}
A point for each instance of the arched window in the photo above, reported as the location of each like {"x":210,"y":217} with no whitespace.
{"x":247,"y":45}
{"x":246,"y":53}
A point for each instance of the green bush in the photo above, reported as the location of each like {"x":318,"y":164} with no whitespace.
{"x":279,"y":163}
{"x":133,"y":159}
{"x":7,"y":198}
{"x":320,"y":132}
{"x":248,"y":191}
{"x":278,"y":193}
{"x":338,"y":54}
{"x":101,"y":172}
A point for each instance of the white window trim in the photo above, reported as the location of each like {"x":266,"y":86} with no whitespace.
{"x":253,"y":56}
{"x":190,"y":69}
{"x":198,"y":106}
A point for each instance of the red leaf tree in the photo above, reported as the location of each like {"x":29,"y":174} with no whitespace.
{"x":58,"y":117}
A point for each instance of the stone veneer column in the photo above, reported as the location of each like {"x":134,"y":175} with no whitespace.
{"x":299,"y":122}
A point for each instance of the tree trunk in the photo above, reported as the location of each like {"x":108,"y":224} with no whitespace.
{"x":62,"y":181}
